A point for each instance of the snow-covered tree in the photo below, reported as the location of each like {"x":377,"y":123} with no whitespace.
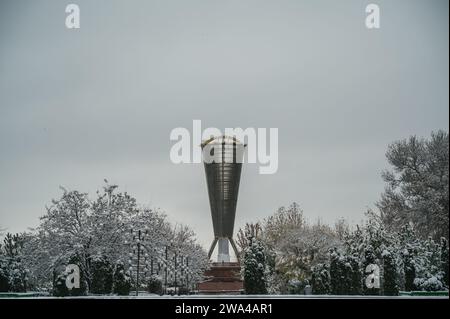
{"x":354,"y":275}
{"x":421,"y":261}
{"x":64,"y":232}
{"x":429,"y":275}
{"x":276,"y":227}
{"x":18,"y":277}
{"x":370,"y":258}
{"x":417,"y":190}
{"x":13,"y":273}
{"x":320,"y":279}
{"x":390,"y":274}
{"x":403,"y":259}
{"x":345,"y":273}
{"x":301,"y":248}
{"x":38,"y":261}
{"x":353,"y":247}
{"x":98,"y":232}
{"x":254,"y":268}
{"x":292,"y":246}
{"x":109,"y":220}
{"x":193,"y":259}
{"x":408,"y":249}
{"x":338,"y":285}
{"x":281,"y":223}
{"x":250,"y":230}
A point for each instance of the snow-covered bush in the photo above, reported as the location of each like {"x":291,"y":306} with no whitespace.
{"x":121,"y":281}
{"x":59,"y":285}
{"x":422,"y":261}
{"x":444,"y":261}
{"x":60,"y":274}
{"x":428,"y":284}
{"x":101,"y":275}
{"x":154,"y":284}
{"x":17,"y":277}
{"x":296,"y":287}
{"x":4,"y":278}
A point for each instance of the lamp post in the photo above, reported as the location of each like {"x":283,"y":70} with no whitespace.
{"x":139,"y":237}
{"x":172,"y":265}
{"x":176,"y":265}
{"x":165,"y":271}
{"x":175,"y":271}
{"x":186,"y":273}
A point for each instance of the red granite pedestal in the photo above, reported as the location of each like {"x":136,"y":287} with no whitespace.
{"x":222,"y":278}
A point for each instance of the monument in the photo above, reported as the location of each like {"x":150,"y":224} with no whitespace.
{"x":223,"y":157}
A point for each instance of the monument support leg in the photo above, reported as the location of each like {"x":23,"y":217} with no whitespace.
{"x":236,"y":252}
{"x":213,"y":245}
{"x":223,"y":251}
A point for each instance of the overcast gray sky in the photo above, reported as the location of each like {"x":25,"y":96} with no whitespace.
{"x":78,"y":106}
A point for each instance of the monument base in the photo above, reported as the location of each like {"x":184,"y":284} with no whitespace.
{"x":222,"y":278}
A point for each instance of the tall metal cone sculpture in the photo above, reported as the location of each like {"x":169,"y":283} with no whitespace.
{"x":222,"y":157}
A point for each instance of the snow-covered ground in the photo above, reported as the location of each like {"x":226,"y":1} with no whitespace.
{"x":153,"y":296}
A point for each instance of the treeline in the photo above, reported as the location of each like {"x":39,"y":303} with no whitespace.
{"x":286,"y":255}
{"x":404,"y":243}
{"x":101,"y":237}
